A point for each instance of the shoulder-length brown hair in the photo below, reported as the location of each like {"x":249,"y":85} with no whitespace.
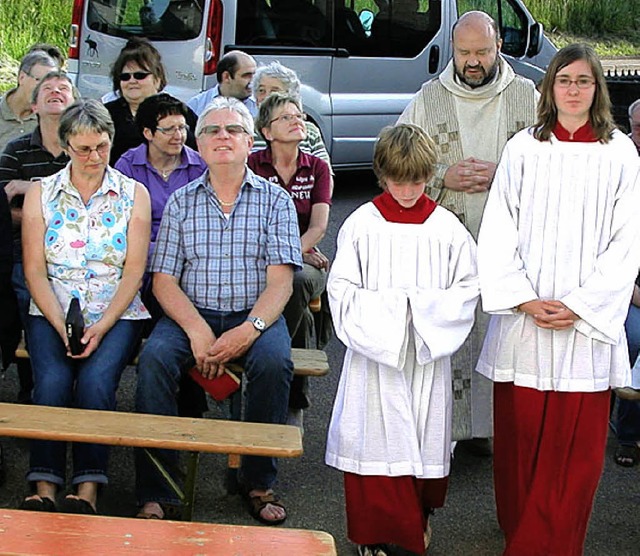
{"x":600,"y":116}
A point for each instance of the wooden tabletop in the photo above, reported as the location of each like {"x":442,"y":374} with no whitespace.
{"x":149,"y":431}
{"x":38,"y":533}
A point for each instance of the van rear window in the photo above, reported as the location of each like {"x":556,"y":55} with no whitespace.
{"x":158,"y":20}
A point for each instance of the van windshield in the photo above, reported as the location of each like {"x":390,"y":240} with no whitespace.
{"x":159,"y":20}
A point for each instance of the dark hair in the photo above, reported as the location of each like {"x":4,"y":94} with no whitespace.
{"x":229,"y":62}
{"x":143,"y":53}
{"x":404,"y":153}
{"x":600,"y":116}
{"x":269,"y":104}
{"x":156,"y":107}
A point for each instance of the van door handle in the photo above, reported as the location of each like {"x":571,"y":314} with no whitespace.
{"x":434,"y":58}
{"x":342,"y":53}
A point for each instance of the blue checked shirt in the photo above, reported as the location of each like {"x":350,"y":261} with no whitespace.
{"x":221,"y":262}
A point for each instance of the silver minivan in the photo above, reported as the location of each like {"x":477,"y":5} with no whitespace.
{"x":360,"y":61}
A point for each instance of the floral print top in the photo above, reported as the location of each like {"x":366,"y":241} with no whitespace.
{"x":85,"y":246}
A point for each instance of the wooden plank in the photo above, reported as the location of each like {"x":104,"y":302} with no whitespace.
{"x":38,"y":533}
{"x":306,"y":362}
{"x":149,"y":431}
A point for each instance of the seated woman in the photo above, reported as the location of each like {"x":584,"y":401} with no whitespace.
{"x":308,"y":180}
{"x":137,"y":74}
{"x":276,"y":78}
{"x":85,"y":236}
{"x":163,"y":163}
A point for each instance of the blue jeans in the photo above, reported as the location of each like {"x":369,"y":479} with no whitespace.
{"x":167,"y":356}
{"x":87,"y":384}
{"x":628,"y":421}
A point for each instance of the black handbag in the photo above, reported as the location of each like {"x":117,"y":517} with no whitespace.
{"x":75,"y":327}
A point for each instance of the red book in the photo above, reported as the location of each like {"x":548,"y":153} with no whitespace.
{"x":220,"y":387}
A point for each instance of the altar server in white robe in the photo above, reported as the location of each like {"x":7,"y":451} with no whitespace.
{"x":402,"y":289}
{"x":557,"y":256}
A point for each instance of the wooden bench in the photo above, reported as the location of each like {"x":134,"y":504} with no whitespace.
{"x":37,"y":533}
{"x":117,"y":428}
{"x":306,"y":362}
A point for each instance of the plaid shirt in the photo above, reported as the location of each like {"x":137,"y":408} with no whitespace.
{"x":221,"y":261}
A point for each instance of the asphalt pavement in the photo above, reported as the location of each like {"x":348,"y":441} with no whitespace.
{"x":313,"y":492}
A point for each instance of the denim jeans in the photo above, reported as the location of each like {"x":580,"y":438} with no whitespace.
{"x":167,"y":356}
{"x":87,"y":384}
{"x":628,"y":416}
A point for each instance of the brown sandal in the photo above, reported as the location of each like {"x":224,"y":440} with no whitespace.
{"x":257,"y":503}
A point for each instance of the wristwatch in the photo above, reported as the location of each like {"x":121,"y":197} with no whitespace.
{"x":258,"y":323}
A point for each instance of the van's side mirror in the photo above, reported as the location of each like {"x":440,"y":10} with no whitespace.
{"x":536,"y":32}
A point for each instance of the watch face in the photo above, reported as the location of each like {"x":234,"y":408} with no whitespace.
{"x":258,"y":323}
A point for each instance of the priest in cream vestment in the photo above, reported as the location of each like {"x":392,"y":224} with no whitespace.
{"x":471,"y":119}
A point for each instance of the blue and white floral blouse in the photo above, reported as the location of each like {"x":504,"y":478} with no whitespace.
{"x":85,"y":246}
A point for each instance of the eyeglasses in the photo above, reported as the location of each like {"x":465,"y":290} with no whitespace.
{"x":85,"y":152}
{"x":137,"y":75}
{"x":581,"y":82}
{"x":288,"y":118}
{"x":36,"y":79}
{"x":183,"y":129}
{"x":231,"y":129}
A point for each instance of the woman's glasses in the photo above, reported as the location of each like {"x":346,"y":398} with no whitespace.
{"x":581,"y":82}
{"x":183,"y":129}
{"x":288,"y":118}
{"x":85,"y":152}
{"x":137,"y":75}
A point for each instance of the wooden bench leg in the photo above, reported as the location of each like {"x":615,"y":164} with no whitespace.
{"x":190,"y":486}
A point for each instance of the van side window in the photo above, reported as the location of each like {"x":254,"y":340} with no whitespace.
{"x":401,"y":28}
{"x":283,"y":23}
{"x":159,"y":20}
{"x":512,"y":21}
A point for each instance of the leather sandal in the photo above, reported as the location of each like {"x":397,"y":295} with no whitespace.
{"x":257,"y":503}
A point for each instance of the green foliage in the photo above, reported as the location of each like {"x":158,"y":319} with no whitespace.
{"x":25,"y":22}
{"x":587,"y":17}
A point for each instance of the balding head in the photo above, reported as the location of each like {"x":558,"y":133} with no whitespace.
{"x":634,"y":122}
{"x":479,"y":22}
{"x":476,"y":45}
{"x":234,"y":72}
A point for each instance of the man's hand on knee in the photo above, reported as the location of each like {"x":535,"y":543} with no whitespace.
{"x":233,"y":343}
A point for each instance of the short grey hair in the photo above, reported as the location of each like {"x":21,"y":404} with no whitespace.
{"x":276,"y":70}
{"x":36,"y":58}
{"x":85,"y":116}
{"x":227,"y":103}
{"x":55,"y":74}
{"x":633,"y":107}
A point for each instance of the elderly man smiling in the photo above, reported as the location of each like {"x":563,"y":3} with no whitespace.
{"x":225,"y":254}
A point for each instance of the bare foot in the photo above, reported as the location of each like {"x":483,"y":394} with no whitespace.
{"x":151,"y":510}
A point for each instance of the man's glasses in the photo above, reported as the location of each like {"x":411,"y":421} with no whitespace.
{"x":288,"y":118}
{"x":36,"y":79}
{"x":137,"y":75}
{"x":231,"y":129}
{"x":85,"y":152}
{"x":581,"y":82}
{"x":183,"y":129}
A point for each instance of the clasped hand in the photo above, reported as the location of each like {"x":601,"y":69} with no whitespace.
{"x":551,"y":314}
{"x":471,"y":175}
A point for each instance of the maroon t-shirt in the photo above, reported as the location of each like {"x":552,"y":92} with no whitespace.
{"x":310,"y":184}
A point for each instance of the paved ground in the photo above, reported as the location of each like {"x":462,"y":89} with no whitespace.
{"x":313,"y":492}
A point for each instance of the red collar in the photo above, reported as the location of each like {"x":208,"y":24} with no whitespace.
{"x":583,"y":134}
{"x":392,"y":211}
